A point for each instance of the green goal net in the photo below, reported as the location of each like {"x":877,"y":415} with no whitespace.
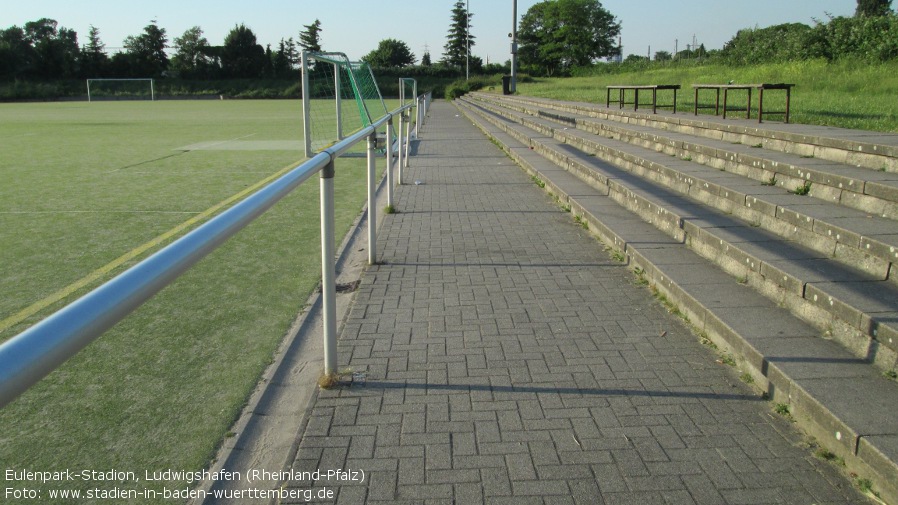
{"x":339,"y":98}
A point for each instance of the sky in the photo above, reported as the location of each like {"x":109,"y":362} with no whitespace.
{"x":355,"y":27}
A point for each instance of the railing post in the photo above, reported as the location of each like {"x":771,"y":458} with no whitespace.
{"x":306,"y":106}
{"x":390,"y":162}
{"x":328,"y":269}
{"x":408,"y":132}
{"x":399,"y":142}
{"x":372,"y":201}
{"x":417,"y":115}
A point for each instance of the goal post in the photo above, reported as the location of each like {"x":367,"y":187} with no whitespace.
{"x":122,"y":84}
{"x":339,"y":97}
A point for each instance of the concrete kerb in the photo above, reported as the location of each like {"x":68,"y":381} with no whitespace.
{"x":860,"y":452}
{"x":265,"y":434}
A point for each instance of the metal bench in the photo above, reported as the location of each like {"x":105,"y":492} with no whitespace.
{"x":621,"y":99}
{"x":747,"y":87}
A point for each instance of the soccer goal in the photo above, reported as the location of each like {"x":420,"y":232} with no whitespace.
{"x":121,"y":89}
{"x":339,"y":97}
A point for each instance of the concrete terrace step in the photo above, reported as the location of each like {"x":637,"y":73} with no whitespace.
{"x":836,"y":396}
{"x":874,"y":150}
{"x":853,"y":235}
{"x":871,"y":191}
{"x":747,"y":240}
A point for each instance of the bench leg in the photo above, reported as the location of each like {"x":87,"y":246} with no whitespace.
{"x":760,"y":105}
{"x":654,"y":101}
{"x":788,"y":99}
{"x":726,"y":93}
{"x":748,"y":107}
{"x":717,"y":104}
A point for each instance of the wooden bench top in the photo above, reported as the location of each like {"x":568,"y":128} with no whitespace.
{"x":646,"y":86}
{"x":744,"y":86}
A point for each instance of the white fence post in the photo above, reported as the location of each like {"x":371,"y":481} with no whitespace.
{"x":372,"y":201}
{"x":328,"y":269}
{"x":390,"y":162}
{"x":399,"y":141}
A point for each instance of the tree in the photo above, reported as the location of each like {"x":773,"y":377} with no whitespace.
{"x":280,"y":61}
{"x":15,"y":52}
{"x":93,"y":55}
{"x":459,"y":39}
{"x":390,"y":53}
{"x":242,"y":56}
{"x":425,"y":60}
{"x":192,"y":56}
{"x":55,"y":53}
{"x":872,"y":8}
{"x":147,"y":51}
{"x":663,"y":56}
{"x":310,"y":39}
{"x":556,"y":35}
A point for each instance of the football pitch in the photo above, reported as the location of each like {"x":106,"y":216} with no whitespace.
{"x":90,"y":189}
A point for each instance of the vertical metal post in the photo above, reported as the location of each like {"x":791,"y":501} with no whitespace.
{"x":468,"y":40}
{"x":390,"y":162}
{"x":152,"y":91}
{"x":417,"y":107}
{"x":408,"y":138}
{"x":328,"y":269}
{"x":306,"y":106}
{"x":514,"y":48}
{"x":417,"y":114}
{"x":372,"y":201}
{"x":338,"y":100}
{"x":399,"y":143}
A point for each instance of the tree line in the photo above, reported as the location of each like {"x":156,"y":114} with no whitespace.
{"x":42,"y":50}
{"x":556,"y":37}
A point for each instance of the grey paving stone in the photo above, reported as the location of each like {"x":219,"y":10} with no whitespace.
{"x":520,"y":364}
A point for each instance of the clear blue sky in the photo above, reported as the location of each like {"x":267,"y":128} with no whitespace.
{"x":356,"y":26}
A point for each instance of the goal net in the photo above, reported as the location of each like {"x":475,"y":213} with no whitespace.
{"x":121,"y":89}
{"x":340,"y":97}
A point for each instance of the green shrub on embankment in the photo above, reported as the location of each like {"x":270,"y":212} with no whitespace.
{"x":844,"y":93}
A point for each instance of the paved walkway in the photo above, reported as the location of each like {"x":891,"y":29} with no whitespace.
{"x":509,"y":359}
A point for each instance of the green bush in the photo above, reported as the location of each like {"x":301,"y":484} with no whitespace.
{"x":462,"y":86}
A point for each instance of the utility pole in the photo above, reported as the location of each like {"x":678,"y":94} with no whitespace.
{"x":514,"y":47}
{"x":468,"y":40}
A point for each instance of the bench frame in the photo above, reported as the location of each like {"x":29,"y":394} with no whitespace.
{"x":747,"y":87}
{"x":654,"y":89}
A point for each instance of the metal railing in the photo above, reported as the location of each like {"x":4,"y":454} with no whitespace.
{"x":31,"y":355}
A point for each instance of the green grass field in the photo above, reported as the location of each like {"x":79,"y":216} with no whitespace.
{"x":84,"y":184}
{"x":845,"y":94}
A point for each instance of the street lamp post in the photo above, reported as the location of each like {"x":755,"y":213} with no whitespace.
{"x":468,"y":40}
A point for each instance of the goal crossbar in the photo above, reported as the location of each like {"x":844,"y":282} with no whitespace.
{"x":151,"y":80}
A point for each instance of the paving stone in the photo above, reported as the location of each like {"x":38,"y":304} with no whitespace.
{"x":520,"y":364}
